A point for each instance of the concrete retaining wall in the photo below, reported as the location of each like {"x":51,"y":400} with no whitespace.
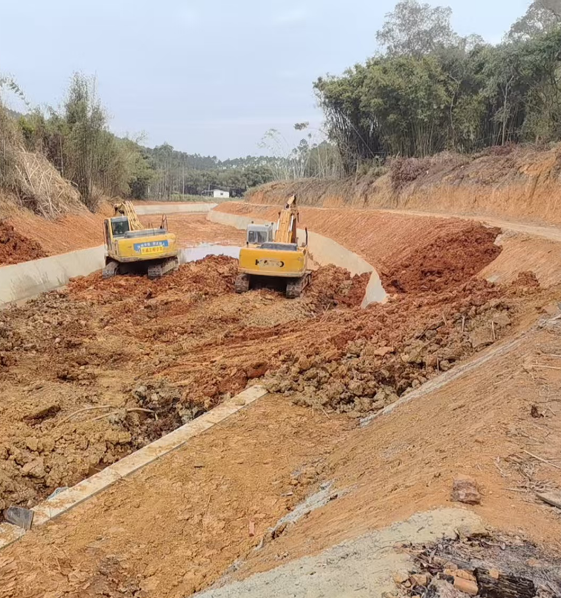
{"x":323,"y":250}
{"x":29,"y":279}
{"x":175,"y":208}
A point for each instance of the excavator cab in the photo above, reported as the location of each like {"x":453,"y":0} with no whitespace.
{"x":120,"y":226}
{"x":260,"y":233}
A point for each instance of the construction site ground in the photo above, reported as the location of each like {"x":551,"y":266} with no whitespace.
{"x":99,"y":369}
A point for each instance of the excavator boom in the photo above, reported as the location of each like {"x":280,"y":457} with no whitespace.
{"x":287,"y":228}
{"x":125,"y":208}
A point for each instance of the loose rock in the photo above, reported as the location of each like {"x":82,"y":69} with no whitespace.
{"x":465,"y":490}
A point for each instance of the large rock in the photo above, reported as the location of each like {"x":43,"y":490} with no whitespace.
{"x":465,"y":490}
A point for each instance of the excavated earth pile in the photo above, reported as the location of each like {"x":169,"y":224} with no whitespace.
{"x":15,"y":248}
{"x":446,"y":263}
{"x":91,"y":373}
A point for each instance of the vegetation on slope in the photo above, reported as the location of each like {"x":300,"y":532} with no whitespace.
{"x":432,"y":90}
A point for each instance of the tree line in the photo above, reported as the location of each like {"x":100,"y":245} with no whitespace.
{"x":76,"y":139}
{"x":431,"y":90}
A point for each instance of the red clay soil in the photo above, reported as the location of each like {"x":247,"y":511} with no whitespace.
{"x":446,"y":263}
{"x":377,"y":237}
{"x":15,"y":248}
{"x":212,"y":277}
{"x":174,"y":346}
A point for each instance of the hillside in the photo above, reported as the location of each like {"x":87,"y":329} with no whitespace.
{"x":515,"y":182}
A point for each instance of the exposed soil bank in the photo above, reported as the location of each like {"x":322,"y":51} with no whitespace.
{"x":518,"y":182}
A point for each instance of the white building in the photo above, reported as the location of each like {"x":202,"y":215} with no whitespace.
{"x":218,"y":193}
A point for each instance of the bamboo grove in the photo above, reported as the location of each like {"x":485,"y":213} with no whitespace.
{"x":431,"y":90}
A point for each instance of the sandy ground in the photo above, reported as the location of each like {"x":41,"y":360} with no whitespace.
{"x":191,"y":514}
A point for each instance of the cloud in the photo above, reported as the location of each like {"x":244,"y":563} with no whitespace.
{"x":292,"y":16}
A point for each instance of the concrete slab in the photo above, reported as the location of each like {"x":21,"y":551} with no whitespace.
{"x":68,"y":499}
{"x":30,"y":279}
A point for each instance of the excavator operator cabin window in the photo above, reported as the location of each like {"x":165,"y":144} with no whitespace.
{"x":255,"y":237}
{"x":120,"y":227}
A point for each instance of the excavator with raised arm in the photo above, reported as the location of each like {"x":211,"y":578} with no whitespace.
{"x":272,"y":254}
{"x":133,"y":248}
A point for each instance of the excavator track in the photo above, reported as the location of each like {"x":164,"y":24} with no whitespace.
{"x":158,"y":270}
{"x":295,"y":286}
{"x":111,"y":269}
{"x":242,"y":283}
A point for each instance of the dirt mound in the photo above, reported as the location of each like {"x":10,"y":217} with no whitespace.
{"x":363,"y":360}
{"x":15,"y":248}
{"x":212,"y":276}
{"x":446,"y":263}
{"x":93,"y":372}
{"x":335,"y":287}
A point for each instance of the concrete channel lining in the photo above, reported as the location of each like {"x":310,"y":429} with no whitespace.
{"x":29,"y":279}
{"x":180,"y":208}
{"x":324,"y":251}
{"x":66,"y":500}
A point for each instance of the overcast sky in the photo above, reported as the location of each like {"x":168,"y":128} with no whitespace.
{"x":207,"y":76}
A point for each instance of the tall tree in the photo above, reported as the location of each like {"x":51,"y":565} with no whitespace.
{"x":541,"y":17}
{"x":415,"y":29}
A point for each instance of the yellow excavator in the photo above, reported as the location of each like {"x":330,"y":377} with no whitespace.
{"x":132,"y":248}
{"x":273,"y":254}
